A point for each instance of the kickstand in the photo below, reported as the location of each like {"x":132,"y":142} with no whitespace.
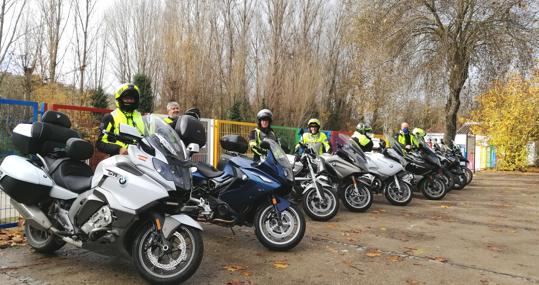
{"x":232,"y":230}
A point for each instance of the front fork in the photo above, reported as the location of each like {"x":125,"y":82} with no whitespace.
{"x":158,"y":221}
{"x":313,"y":176}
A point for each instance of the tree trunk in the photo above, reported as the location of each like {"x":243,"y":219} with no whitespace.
{"x":457,"y":77}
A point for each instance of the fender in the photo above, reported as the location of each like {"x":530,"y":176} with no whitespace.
{"x":172,"y":222}
{"x":282,"y":204}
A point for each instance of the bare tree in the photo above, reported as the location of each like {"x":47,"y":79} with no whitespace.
{"x":449,"y":38}
{"x":83,"y":12}
{"x":11,"y":12}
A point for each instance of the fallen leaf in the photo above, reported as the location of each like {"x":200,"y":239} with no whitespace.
{"x":373,"y":252}
{"x":412,"y":282}
{"x":382,"y":229}
{"x":444,"y":206}
{"x":494,"y":248}
{"x":234,"y":267}
{"x":238,"y":282}
{"x":484,"y":281}
{"x":280,"y":264}
{"x":394,"y":258}
{"x":246,"y":273}
{"x":439,"y":259}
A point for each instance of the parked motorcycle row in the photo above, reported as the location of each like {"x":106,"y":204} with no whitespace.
{"x":147,"y":205}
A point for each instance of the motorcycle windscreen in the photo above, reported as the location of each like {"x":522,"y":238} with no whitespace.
{"x":165,"y":139}
{"x":280,"y":156}
{"x":352,"y":149}
{"x":396,"y":146}
{"x":429,"y":155}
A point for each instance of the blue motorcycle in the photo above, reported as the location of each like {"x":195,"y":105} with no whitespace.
{"x":243,"y":192}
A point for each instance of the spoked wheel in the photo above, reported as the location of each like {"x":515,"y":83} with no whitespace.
{"x":396,"y":196}
{"x":41,"y":240}
{"x":279,"y":231}
{"x":433,"y":188}
{"x":356,"y":200}
{"x":469,"y":175}
{"x":170,"y":263}
{"x":320,"y":209}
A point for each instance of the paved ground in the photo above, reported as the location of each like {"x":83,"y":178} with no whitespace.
{"x":487,"y":233}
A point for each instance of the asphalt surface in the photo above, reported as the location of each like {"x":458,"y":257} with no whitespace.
{"x":487,"y":233}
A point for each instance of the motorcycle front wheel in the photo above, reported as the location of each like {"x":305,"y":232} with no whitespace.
{"x":433,"y":188}
{"x":356,"y":200}
{"x":323,"y":209}
{"x":167,"y":264}
{"x":469,"y":175}
{"x":399,"y":196}
{"x":460,"y":181}
{"x":279,"y":231}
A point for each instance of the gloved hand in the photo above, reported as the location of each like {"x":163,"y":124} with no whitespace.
{"x":297,"y":157}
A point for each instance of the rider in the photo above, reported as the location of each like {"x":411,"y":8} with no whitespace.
{"x":405,"y":139}
{"x":419,"y":135}
{"x":361,"y":137}
{"x":315,"y":136}
{"x":262,"y":131}
{"x":173,"y":110}
{"x":127,"y":102}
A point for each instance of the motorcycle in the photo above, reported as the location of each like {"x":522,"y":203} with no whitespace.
{"x":458,"y":163}
{"x":347,"y":171}
{"x":130,"y":206}
{"x":243,"y":192}
{"x":390,"y":178}
{"x":319,"y":200}
{"x":425,"y":166}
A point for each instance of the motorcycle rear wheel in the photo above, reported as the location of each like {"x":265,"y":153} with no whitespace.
{"x":41,"y":240}
{"x":469,"y":175}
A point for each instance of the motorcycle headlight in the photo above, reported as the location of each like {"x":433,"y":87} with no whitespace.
{"x":168,"y":172}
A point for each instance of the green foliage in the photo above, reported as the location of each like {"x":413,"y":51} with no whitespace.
{"x":236,"y":111}
{"x":99,"y":99}
{"x":147,"y":97}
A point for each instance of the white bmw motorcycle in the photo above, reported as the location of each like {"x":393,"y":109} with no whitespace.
{"x":131,"y":205}
{"x":390,"y":178}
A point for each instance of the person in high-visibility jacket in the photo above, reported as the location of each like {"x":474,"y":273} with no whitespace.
{"x":419,"y":135}
{"x":127,"y":102}
{"x":362,"y":138}
{"x":261,"y":132}
{"x":315,"y":136}
{"x":173,"y":110}
{"x":405,"y":138}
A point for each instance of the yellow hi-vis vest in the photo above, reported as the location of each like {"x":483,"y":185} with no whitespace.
{"x":119,"y":117}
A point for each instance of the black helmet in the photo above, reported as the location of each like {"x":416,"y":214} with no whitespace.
{"x":264,"y":114}
{"x":127,"y":90}
{"x":193,"y":112}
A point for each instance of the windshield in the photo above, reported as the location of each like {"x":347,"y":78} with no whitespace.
{"x":350,"y":146}
{"x":315,"y":146}
{"x":163,"y":137}
{"x":279,"y":154}
{"x":396,"y":146}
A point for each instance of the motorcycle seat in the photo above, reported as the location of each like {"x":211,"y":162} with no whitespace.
{"x":70,"y":171}
{"x":208,"y":170}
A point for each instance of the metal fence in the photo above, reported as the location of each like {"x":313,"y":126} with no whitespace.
{"x":12,"y":113}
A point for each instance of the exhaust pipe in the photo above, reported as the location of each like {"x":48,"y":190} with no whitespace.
{"x":33,"y":213}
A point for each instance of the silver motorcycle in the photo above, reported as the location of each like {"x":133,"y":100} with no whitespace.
{"x":131,"y":205}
